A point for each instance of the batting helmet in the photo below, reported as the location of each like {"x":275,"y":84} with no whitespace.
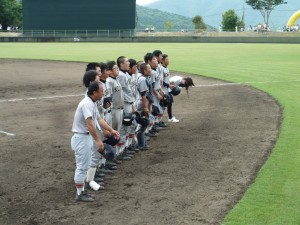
{"x":165,"y":101}
{"x":108,"y":153}
{"x":111,"y":140}
{"x":106,"y":100}
{"x":155,"y":110}
{"x":175,"y":91}
{"x":127,"y":119}
{"x":141,"y":119}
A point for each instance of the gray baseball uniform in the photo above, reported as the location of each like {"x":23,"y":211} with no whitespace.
{"x":142,"y":85}
{"x":115,"y":91}
{"x":125,"y":81}
{"x":156,"y":84}
{"x":82,"y":141}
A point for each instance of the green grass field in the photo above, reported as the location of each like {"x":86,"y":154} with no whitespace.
{"x":274,"y":197}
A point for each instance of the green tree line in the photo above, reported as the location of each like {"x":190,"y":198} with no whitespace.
{"x":10,"y":13}
{"x":147,"y":17}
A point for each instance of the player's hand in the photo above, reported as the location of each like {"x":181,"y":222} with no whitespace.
{"x":108,"y":104}
{"x":116,"y":134}
{"x":146,"y":111}
{"x":100,"y":146}
{"x":159,"y":97}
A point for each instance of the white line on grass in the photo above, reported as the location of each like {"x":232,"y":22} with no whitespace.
{"x":214,"y":85}
{"x":243,"y":83}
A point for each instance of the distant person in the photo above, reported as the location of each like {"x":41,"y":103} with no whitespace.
{"x":265,"y":27}
{"x":284,"y":28}
{"x":0,"y":27}
{"x":259,"y":26}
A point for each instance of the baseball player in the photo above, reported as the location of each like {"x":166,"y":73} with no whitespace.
{"x":84,"y":131}
{"x":158,"y":55}
{"x":143,"y":87}
{"x":116,"y":93}
{"x":106,"y":114}
{"x":134,"y":75}
{"x":92,"y":74}
{"x":127,"y":132}
{"x":97,"y":160}
{"x":155,"y":93}
{"x":167,"y":87}
{"x":106,"y":103}
{"x":176,"y":81}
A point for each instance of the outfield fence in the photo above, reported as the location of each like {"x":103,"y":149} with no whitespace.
{"x":78,"y":33}
{"x":132,"y":33}
{"x":136,"y":35}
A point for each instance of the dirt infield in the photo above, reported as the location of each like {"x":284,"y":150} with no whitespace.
{"x":195,"y":172}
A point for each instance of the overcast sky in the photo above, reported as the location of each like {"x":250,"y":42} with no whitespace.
{"x":145,"y":2}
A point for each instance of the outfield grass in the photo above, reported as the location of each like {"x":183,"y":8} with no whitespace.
{"x":274,"y":197}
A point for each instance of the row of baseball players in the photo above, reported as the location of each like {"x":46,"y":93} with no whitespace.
{"x":122,"y":109}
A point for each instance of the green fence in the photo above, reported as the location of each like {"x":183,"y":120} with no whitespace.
{"x":77,"y":33}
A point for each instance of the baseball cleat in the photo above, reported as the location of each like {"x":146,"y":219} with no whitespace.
{"x":173,"y":120}
{"x":84,"y":197}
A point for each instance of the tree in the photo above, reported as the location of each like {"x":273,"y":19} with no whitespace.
{"x":10,"y":13}
{"x":168,"y":25}
{"x":230,"y":20}
{"x":265,"y":7}
{"x":199,"y":23}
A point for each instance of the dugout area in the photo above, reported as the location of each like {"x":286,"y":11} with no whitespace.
{"x":79,"y":15}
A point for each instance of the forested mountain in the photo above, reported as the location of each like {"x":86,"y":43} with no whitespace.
{"x":147,"y":17}
{"x":212,"y":11}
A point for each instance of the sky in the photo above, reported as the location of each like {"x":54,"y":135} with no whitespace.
{"x":145,"y":2}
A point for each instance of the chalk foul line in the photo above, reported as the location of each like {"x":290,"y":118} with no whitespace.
{"x":6,"y":133}
{"x":39,"y":98}
{"x":244,"y":83}
{"x":201,"y":85}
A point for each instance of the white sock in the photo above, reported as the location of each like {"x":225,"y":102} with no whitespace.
{"x":122,"y":149}
{"x":103,"y":160}
{"x":147,"y":129}
{"x":135,"y":139}
{"x":90,"y":174}
{"x":79,"y":188}
{"x":129,"y":141}
{"x":118,"y":150}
